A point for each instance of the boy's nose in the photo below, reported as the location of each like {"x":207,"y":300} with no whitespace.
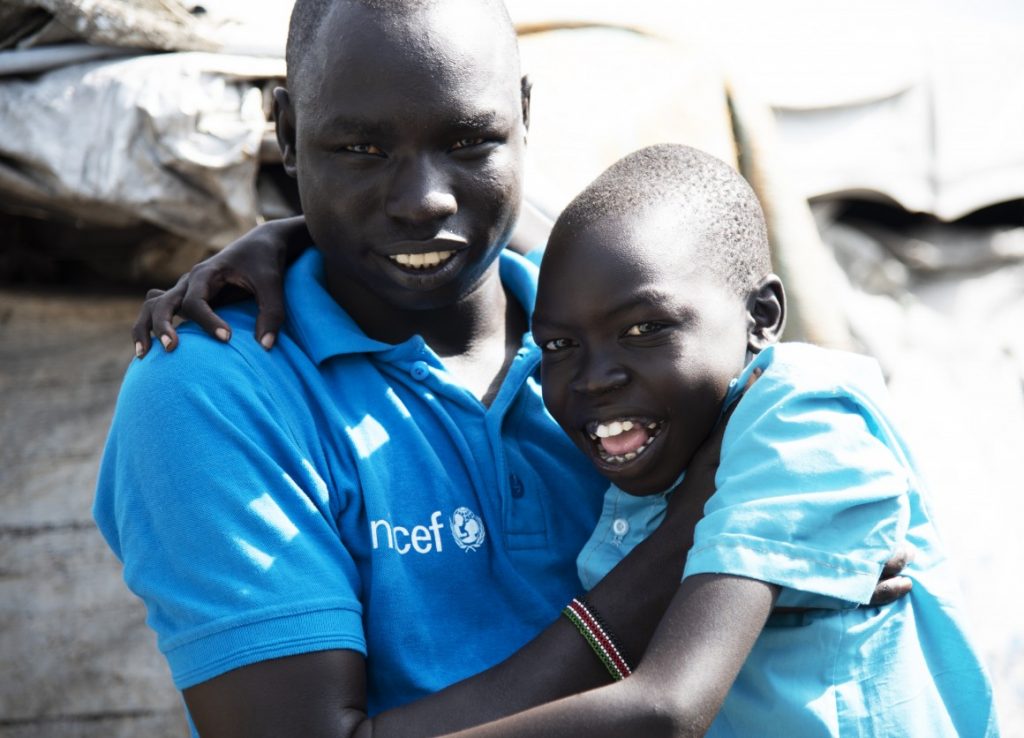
{"x":420,"y":193}
{"x":599,"y":379}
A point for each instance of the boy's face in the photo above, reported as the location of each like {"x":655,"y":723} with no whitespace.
{"x":407,"y":144}
{"x":640,"y":344}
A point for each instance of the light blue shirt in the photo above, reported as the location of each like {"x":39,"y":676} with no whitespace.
{"x":339,"y":492}
{"x":813,"y":492}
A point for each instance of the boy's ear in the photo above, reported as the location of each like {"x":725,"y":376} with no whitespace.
{"x":525,"y":86}
{"x":766,"y":313}
{"x":284,"y":119}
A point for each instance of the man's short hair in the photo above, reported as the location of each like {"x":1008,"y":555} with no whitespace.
{"x":713,"y":202}
{"x":307,"y":16}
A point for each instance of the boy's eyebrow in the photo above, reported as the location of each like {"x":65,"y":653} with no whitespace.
{"x":642,"y":296}
{"x":482,"y":119}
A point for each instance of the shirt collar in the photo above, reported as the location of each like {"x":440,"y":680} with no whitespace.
{"x":323,"y":328}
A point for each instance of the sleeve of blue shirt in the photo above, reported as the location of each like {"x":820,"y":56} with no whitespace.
{"x":226,"y":529}
{"x":808,"y":497}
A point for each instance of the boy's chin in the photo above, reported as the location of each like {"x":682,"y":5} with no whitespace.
{"x":646,"y":486}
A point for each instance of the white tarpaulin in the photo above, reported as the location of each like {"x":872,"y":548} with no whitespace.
{"x":169,"y":140}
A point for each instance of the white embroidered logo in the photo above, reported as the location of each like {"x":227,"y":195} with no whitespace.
{"x":467,"y":529}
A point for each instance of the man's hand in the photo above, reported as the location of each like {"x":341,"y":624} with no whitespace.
{"x":891,"y":586}
{"x":255,"y":264}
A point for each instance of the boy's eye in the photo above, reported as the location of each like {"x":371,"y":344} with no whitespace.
{"x":465,"y":143}
{"x":363,"y":148}
{"x":556,"y":344}
{"x":644,"y":329}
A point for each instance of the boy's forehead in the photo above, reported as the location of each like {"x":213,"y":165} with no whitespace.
{"x":647,"y":240}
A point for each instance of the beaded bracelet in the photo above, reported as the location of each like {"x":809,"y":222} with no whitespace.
{"x":596,"y":633}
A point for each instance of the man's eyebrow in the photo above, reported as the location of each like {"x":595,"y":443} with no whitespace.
{"x":359,"y":126}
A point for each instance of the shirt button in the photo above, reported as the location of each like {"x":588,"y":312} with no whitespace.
{"x":420,"y":370}
{"x":516,"y":485}
{"x":620,"y":527}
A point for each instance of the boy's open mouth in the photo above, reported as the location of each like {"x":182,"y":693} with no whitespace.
{"x":622,"y":440}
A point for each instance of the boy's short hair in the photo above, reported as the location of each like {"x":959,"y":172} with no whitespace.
{"x":711,"y":199}
{"x":307,"y":15}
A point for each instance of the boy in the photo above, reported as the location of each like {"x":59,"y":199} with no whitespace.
{"x":656,"y":305}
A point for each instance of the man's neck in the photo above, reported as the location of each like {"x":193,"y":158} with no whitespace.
{"x":477,"y":337}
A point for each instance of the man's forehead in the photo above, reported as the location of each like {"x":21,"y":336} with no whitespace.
{"x":432,"y":25}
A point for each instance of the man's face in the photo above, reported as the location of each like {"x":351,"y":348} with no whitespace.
{"x":409,"y":140}
{"x":640,"y":344}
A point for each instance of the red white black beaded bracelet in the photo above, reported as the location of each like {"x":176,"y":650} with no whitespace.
{"x":593,"y":629}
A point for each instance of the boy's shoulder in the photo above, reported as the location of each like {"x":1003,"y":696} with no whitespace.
{"x":805,"y":369}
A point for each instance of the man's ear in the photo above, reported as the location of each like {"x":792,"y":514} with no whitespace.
{"x":284,"y":119}
{"x":525,"y":86}
{"x":766,"y":313}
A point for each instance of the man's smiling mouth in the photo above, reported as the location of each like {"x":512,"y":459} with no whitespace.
{"x":621,"y":440}
{"x":429,"y":260}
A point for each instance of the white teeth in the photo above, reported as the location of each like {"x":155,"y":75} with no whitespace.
{"x":422,"y":261}
{"x":614,"y":428}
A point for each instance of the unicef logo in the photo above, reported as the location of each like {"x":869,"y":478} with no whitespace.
{"x":467,"y":529}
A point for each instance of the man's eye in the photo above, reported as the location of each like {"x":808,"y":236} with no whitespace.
{"x":363,"y":148}
{"x":556,"y":344}
{"x":465,"y":143}
{"x":644,"y":329}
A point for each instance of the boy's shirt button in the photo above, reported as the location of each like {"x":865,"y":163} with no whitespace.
{"x":420,"y":370}
{"x":620,"y":527}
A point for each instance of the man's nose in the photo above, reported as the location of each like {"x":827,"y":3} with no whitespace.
{"x":420,"y":193}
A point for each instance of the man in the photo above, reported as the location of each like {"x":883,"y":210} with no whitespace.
{"x":380,"y":507}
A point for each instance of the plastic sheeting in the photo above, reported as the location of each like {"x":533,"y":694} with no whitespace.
{"x":169,"y":140}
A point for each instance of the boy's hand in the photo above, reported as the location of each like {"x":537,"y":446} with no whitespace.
{"x":255,"y":263}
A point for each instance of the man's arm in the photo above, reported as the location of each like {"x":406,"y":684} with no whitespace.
{"x":324,"y":693}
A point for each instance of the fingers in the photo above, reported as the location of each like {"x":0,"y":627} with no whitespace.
{"x":269,"y":294}
{"x":899,"y":560}
{"x":196,"y":305}
{"x":155,"y":318}
{"x":143,"y":324}
{"x":890,"y":590}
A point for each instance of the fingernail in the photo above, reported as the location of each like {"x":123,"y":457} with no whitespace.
{"x":138,"y":349}
{"x":222,"y":333}
{"x":267,"y":341}
{"x":165,"y":340}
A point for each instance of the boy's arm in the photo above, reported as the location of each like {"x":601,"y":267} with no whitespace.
{"x":255,"y":264}
{"x":677,"y":690}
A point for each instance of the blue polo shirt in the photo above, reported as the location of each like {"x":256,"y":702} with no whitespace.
{"x":814,"y":490}
{"x":340,"y":492}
